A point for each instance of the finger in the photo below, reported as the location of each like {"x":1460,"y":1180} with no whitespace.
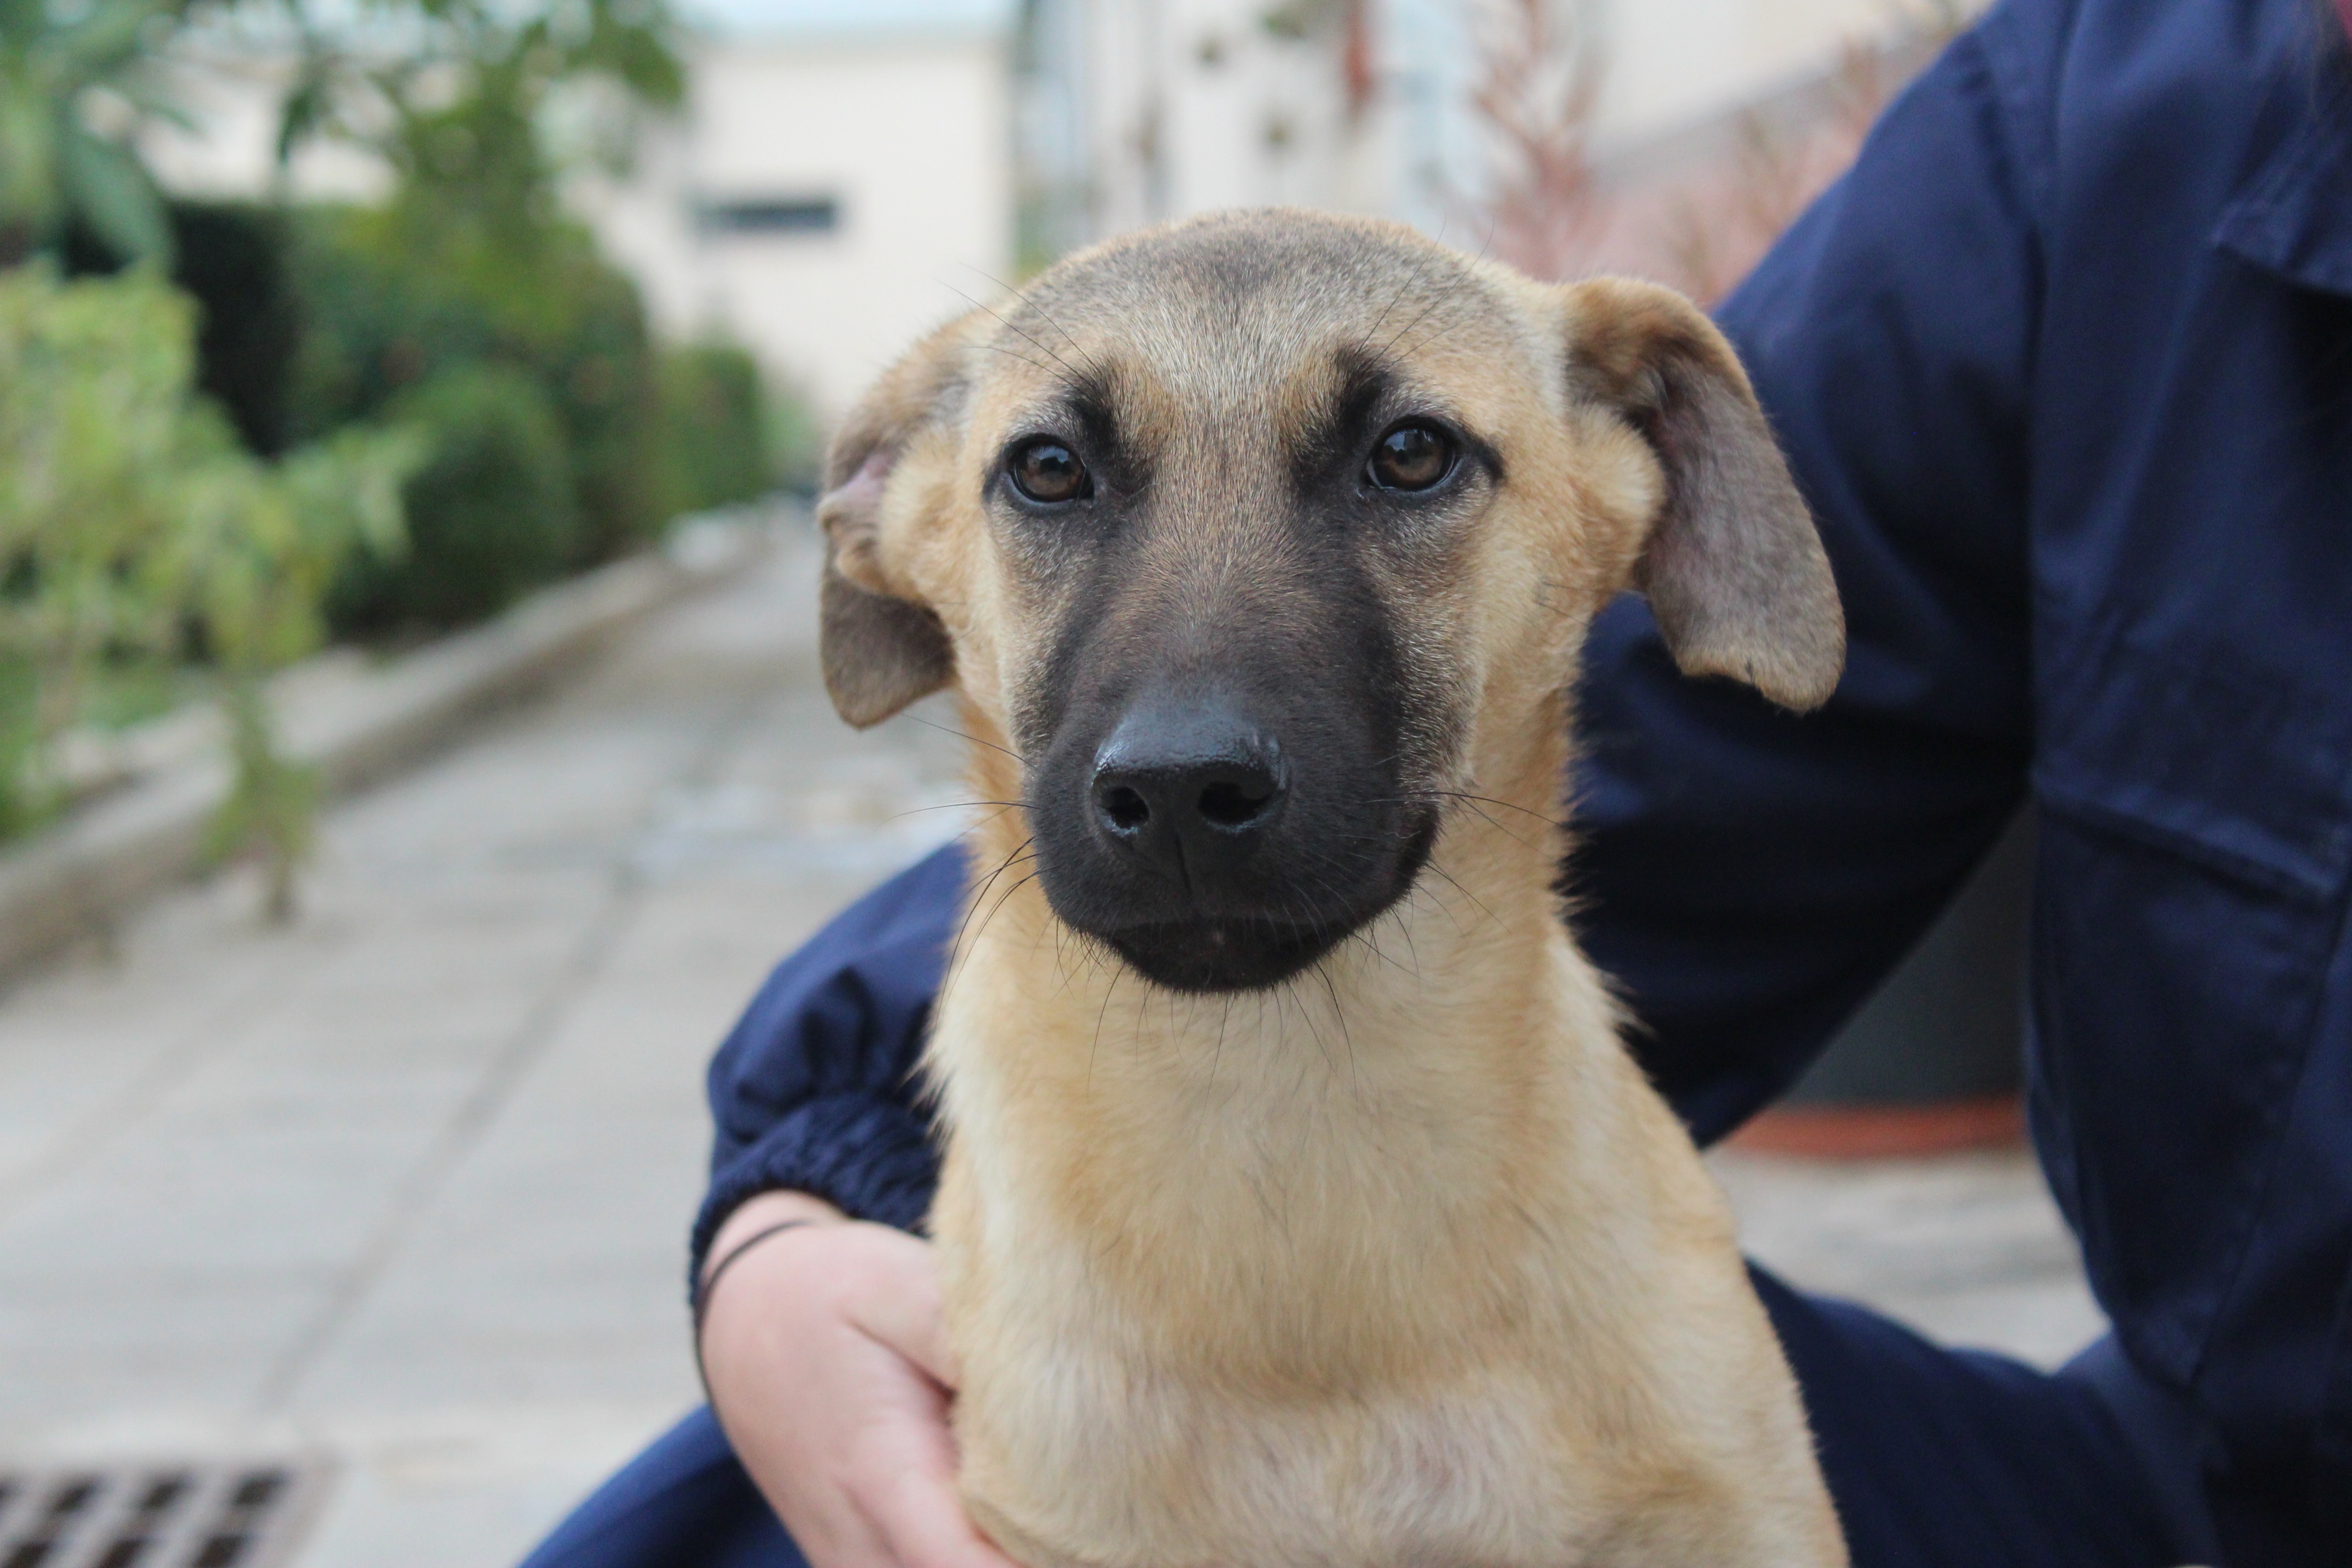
{"x":843,"y":1538}
{"x":808,"y":1493}
{"x":924,"y":1521}
{"x":906,"y":1320}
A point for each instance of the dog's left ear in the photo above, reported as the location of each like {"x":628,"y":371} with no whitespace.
{"x":881,"y":647}
{"x":1732,"y":565}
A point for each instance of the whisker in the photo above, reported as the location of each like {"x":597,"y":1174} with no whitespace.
{"x":953,"y":806}
{"x":1507,"y":805}
{"x":1031,"y":303}
{"x":1015,"y":354}
{"x":1044,"y":348}
{"x":959,"y":735}
{"x":1463,"y":890}
{"x":955,"y":948}
{"x":1095,"y":1049}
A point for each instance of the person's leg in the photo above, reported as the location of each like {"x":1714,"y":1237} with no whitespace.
{"x":684,"y":1502}
{"x":1945,"y":1459}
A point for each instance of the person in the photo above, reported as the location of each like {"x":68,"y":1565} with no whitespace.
{"x":2065,"y":366}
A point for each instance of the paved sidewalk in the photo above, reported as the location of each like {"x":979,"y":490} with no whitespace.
{"x":406,"y":1186}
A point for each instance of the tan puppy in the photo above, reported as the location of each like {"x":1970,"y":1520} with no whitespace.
{"x":1301,"y":1206}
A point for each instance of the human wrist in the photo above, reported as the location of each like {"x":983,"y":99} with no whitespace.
{"x":759,"y":1212}
{"x":749,"y":1225}
{"x":752,"y":1229}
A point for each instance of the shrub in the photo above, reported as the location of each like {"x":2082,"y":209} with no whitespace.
{"x":715,"y":427}
{"x":129,"y":512}
{"x":387,"y":309}
{"x":602,"y":376}
{"x":490,"y":513}
{"x":234,"y":258}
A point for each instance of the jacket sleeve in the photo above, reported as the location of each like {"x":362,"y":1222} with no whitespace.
{"x":1747,"y":875}
{"x":815,"y":1090}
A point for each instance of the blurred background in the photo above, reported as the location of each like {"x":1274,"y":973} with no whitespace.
{"x":411,"y":748}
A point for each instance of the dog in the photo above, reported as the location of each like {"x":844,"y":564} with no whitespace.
{"x":1300,"y":1203}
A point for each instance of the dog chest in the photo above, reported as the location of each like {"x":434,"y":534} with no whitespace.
{"x":1071,"y":1457}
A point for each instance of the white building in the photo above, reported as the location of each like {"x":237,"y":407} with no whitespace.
{"x":841,"y":180}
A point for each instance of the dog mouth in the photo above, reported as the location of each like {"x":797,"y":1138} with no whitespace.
{"x":1254,"y":952}
{"x":1224,"y":955}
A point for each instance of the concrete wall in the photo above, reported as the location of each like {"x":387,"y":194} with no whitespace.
{"x":904,"y":140}
{"x":1674,"y":61}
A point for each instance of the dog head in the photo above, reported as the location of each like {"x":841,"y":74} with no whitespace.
{"x":1254,"y":538}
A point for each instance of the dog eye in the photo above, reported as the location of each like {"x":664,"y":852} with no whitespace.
{"x":1410,"y":458}
{"x":1046,"y":471}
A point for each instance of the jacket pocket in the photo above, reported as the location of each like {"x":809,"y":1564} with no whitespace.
{"x":2196,"y":841}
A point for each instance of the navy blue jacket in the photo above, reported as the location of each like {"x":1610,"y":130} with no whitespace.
{"x":2065,"y":366}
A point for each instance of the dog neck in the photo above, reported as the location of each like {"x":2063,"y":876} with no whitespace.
{"x":1357,"y":1140}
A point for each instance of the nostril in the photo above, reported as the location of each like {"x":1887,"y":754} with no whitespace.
{"x":1228,"y":805}
{"x":1123,"y":808}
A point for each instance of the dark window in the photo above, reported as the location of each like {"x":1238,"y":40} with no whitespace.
{"x":777,"y":214}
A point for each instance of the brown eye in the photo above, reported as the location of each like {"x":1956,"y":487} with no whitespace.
{"x":1410,"y":458}
{"x":1047,"y":471}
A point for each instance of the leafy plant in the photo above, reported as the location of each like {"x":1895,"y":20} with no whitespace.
{"x":469,"y":117}
{"x":716,"y":430}
{"x":97,"y":443}
{"x":58,"y":63}
{"x":128,"y":512}
{"x":461,"y":107}
{"x":265,"y":550}
{"x":490,"y":509}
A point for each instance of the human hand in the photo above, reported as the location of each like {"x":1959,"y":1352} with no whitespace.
{"x":828,"y":1368}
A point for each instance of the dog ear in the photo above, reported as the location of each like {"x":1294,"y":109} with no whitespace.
{"x":880,"y":646}
{"x":1732,"y":565}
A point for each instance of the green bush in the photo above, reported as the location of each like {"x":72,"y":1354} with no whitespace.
{"x":234,"y":258}
{"x":491,"y":514}
{"x":129,"y":514}
{"x":602,"y":375}
{"x":715,"y":427}
{"x":315,"y":319}
{"x":386,"y":309}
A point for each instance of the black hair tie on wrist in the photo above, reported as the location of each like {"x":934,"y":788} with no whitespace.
{"x":710,"y":1282}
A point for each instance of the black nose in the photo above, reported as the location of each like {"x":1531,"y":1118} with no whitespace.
{"x":1191,"y":788}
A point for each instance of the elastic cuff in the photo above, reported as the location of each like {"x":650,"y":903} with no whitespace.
{"x":868,"y":1156}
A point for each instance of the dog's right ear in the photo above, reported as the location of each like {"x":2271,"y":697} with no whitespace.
{"x":880,"y":645}
{"x":1732,"y":565}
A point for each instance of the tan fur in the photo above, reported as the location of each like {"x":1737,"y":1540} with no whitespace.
{"x":1400,"y":1263}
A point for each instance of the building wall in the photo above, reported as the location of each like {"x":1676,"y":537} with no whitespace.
{"x":231,"y":89}
{"x":1673,"y":61}
{"x":904,"y":138}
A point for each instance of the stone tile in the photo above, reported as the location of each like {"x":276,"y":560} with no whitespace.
{"x":1969,"y":1248}
{"x":286,"y":1196}
{"x":468,"y":1485}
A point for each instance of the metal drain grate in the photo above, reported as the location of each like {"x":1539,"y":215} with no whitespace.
{"x":161,"y":1515}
